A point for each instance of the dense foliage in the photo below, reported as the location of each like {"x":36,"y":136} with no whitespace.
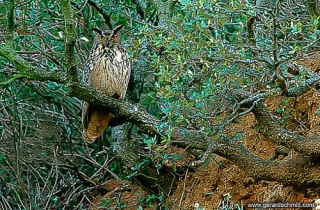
{"x":197,"y":66}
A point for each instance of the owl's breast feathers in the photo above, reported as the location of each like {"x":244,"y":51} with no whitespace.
{"x":108,"y":71}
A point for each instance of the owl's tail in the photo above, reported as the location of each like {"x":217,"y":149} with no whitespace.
{"x":95,"y":119}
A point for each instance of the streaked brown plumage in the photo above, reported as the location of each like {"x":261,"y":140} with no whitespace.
{"x":107,"y":69}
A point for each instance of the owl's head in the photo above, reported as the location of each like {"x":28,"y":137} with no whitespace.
{"x":108,"y":38}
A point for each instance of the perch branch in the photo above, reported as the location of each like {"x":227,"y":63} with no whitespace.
{"x":133,"y":113}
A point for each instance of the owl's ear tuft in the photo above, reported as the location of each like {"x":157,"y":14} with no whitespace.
{"x":97,"y":30}
{"x":117,"y":28}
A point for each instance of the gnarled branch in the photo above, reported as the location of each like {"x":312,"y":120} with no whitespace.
{"x":270,"y":128}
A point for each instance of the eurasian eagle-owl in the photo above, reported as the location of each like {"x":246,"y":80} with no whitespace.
{"x":107,"y":69}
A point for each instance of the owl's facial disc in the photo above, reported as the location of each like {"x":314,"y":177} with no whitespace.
{"x":107,"y":37}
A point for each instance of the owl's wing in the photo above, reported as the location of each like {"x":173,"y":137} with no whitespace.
{"x":87,"y":68}
{"x":85,"y":114}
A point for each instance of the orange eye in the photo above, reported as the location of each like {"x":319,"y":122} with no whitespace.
{"x":102,"y":38}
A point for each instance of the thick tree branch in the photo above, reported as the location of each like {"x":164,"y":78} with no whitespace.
{"x":126,"y":151}
{"x":122,"y":148}
{"x":10,"y":55}
{"x":298,"y":169}
{"x":270,"y":128}
{"x":12,"y":79}
{"x":25,"y":69}
{"x":71,"y":37}
{"x":295,"y":170}
{"x":131,"y":112}
{"x":305,"y":87}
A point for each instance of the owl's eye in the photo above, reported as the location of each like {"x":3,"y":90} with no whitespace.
{"x":113,"y":37}
{"x":101,"y":38}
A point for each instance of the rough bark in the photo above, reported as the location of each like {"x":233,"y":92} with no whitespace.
{"x":270,"y":128}
{"x":70,"y":41}
{"x":296,"y":170}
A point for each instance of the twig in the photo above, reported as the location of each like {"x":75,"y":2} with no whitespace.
{"x":12,"y":79}
{"x":184,"y":187}
{"x":56,"y":178}
{"x":105,"y":16}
